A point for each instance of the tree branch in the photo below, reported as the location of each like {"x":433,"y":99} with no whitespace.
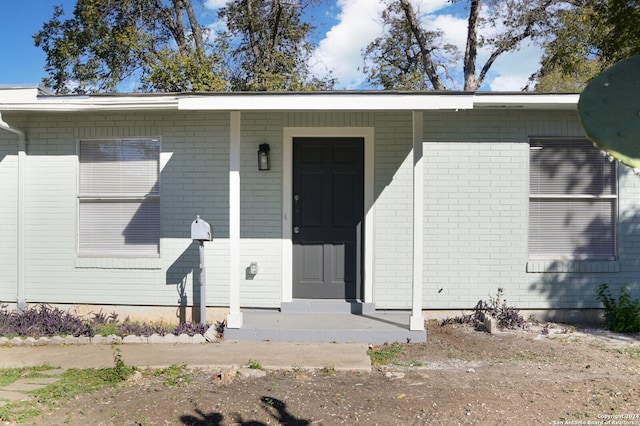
{"x":425,"y":49}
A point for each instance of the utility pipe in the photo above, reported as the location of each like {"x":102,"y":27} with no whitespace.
{"x":22,"y":136}
{"x":22,"y":160}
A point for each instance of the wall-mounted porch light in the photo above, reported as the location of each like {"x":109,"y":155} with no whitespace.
{"x":263,"y":157}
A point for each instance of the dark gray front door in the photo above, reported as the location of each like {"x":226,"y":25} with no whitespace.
{"x":328,"y":206}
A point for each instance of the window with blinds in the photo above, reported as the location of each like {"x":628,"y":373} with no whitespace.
{"x":119,"y":198}
{"x":572,"y":201}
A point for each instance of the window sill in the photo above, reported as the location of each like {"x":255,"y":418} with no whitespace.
{"x":118,"y":263}
{"x":573,"y":266}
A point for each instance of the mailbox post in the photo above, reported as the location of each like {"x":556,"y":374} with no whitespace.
{"x":201,"y":232}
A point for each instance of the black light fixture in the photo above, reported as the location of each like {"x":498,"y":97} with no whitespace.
{"x":263,"y":157}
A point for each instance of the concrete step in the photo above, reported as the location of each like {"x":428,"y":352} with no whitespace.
{"x":327,"y":306}
{"x":376,"y":328}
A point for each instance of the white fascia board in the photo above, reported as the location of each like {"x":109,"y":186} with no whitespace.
{"x":327,"y":102}
{"x":92,"y":103}
{"x":14,"y":94}
{"x":564,"y":101}
{"x":27,"y":99}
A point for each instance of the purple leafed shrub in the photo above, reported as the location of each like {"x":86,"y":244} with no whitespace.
{"x":190,"y":329}
{"x":101,"y":318}
{"x":43,"y":320}
{"x":129,"y":327}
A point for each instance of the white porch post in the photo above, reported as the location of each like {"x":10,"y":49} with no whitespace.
{"x":22,"y":192}
{"x":22,"y":163}
{"x":234,"y":319}
{"x":416,"y":322}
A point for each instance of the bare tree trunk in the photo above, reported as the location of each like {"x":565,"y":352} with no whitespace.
{"x":425,"y":49}
{"x":252,"y":32}
{"x":471,"y":51}
{"x":195,"y":27}
{"x":174,"y":22}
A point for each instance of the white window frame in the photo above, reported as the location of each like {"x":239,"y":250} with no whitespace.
{"x":611,"y":199}
{"x":124,"y":195}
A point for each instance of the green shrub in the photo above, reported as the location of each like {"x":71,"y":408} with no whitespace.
{"x":506,"y":316}
{"x":254,"y":364}
{"x":385,"y":354}
{"x":622,"y":315}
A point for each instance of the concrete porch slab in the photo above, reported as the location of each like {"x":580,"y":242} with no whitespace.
{"x":301,"y":306}
{"x":375,"y":328}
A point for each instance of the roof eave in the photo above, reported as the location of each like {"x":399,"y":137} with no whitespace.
{"x":36,"y":100}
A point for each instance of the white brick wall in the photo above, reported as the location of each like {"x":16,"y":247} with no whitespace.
{"x":475,"y":204}
{"x":476,"y":207}
{"x":194,"y":181}
{"x":393,"y":238}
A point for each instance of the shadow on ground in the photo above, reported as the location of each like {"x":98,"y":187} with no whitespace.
{"x":276,"y":408}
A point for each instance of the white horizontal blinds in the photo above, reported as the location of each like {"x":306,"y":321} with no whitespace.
{"x":571,"y":229}
{"x":570,"y":167}
{"x":119,"y":167}
{"x":119,"y":198}
{"x":572,"y":205}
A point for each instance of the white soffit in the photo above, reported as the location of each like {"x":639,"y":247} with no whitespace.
{"x":327,"y":102}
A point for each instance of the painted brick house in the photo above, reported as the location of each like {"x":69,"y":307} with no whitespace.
{"x":417,"y":202}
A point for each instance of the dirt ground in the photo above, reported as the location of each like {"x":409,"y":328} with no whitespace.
{"x":546,"y":375}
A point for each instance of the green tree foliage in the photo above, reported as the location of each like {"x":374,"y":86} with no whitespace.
{"x":157,"y":45}
{"x":552,"y":79}
{"x":588,"y":39}
{"x":410,"y":56}
{"x":620,"y":26}
{"x":273,"y":48}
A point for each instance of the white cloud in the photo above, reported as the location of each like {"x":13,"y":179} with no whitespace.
{"x":359,"y":24}
{"x":429,"y":6}
{"x":215,"y":4}
{"x":340,"y":50}
{"x":512,"y":70}
{"x":455,"y":29}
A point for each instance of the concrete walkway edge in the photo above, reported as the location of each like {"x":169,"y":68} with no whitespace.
{"x":270,"y":355}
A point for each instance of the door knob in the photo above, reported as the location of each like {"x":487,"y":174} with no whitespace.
{"x":296,"y":229}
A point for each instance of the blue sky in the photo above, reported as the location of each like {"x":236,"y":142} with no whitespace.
{"x":345,"y":27}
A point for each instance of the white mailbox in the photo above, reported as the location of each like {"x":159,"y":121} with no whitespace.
{"x":201,"y":230}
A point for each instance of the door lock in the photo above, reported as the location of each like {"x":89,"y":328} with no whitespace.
{"x":296,"y":229}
